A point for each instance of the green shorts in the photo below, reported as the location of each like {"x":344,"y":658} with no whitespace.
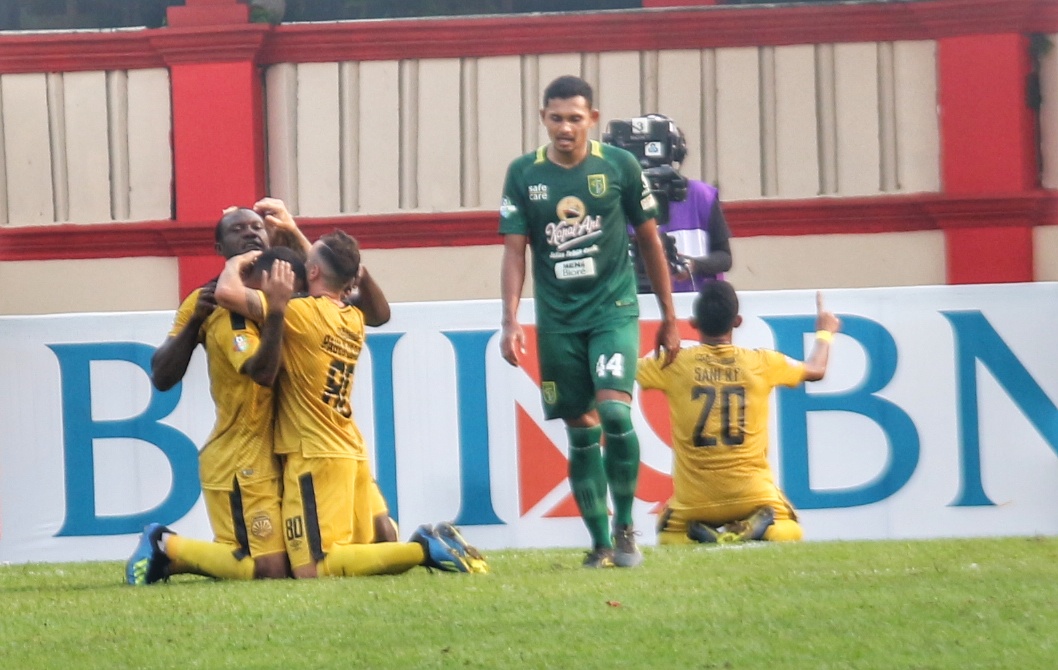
{"x":573,"y":366}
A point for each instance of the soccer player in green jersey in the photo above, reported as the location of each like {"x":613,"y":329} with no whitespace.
{"x":570,"y":202}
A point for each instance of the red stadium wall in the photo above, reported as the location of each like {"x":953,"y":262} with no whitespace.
{"x":989,"y":204}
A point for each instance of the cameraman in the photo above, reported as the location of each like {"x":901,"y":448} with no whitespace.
{"x":695,"y":221}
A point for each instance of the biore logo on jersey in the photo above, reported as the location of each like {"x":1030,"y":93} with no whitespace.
{"x":573,"y":227}
{"x":538,"y":192}
{"x":507,"y":208}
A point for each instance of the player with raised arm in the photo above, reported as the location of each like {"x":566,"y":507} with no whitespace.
{"x":570,"y":203}
{"x":718,"y":394}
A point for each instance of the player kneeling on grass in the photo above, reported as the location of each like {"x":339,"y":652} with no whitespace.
{"x":718,"y":394}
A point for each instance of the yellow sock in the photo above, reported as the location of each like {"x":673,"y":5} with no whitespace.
{"x":784,"y":530}
{"x":387,"y":558}
{"x":206,"y":558}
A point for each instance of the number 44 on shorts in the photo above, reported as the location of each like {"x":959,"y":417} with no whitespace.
{"x":614,"y":367}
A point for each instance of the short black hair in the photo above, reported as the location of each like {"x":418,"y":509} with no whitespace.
{"x":566,"y":87}
{"x":266,"y":259}
{"x":715,"y":308}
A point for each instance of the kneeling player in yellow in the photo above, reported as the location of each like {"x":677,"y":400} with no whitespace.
{"x":325,"y":472}
{"x":241,"y":477}
{"x":718,"y":394}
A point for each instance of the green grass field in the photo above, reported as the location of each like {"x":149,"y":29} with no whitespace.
{"x":990,"y":603}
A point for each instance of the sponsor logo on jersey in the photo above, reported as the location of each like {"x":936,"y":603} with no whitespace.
{"x":261,"y":526}
{"x":573,"y":227}
{"x":240,"y":344}
{"x":507,"y":208}
{"x":538,"y":192}
{"x":597,"y":185}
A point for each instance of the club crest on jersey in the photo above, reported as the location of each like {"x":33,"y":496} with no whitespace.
{"x":240,"y":344}
{"x":597,"y":185}
{"x":550,"y":392}
{"x":261,"y":526}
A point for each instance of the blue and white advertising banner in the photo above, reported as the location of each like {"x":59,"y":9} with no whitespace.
{"x":937,"y":418}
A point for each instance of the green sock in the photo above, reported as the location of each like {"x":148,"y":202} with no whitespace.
{"x":621,"y":459}
{"x":587,"y":478}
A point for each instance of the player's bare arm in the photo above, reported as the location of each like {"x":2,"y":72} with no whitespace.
{"x":282,"y":229}
{"x":512,"y":280}
{"x":232,"y":293}
{"x":657,"y":267}
{"x":170,"y":360}
{"x":826,"y":325}
{"x":278,"y":286}
{"x":368,"y":297}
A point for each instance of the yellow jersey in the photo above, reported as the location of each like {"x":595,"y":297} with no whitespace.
{"x":719,"y":405}
{"x":184,"y":313}
{"x":321,"y":345}
{"x":241,"y":440}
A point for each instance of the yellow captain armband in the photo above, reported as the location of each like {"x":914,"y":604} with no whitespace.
{"x":825,"y":335}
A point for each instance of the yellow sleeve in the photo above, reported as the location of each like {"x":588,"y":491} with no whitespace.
{"x":184,"y":313}
{"x":648,"y":373}
{"x":781,"y":370}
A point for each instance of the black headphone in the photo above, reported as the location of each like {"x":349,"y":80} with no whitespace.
{"x":676,"y":138}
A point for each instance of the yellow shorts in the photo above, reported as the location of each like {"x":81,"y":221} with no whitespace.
{"x":374,"y":504}
{"x":674,"y":518}
{"x":327,"y":501}
{"x":247,"y":517}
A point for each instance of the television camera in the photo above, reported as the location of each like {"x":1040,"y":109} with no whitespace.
{"x":657,"y":143}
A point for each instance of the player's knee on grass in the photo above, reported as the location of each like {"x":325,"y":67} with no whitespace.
{"x":615,"y":416}
{"x":273,"y":566}
{"x":784,"y":530}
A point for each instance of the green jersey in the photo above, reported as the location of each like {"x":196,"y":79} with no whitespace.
{"x":576,"y":220}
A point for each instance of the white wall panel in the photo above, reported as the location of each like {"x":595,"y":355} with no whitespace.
{"x":281,"y":104}
{"x":150,"y":148}
{"x":90,"y":285}
{"x":618,"y":93}
{"x":87,"y":146}
{"x":856,"y":106}
{"x":27,"y":149}
{"x":499,"y":137}
{"x":379,"y":159}
{"x":680,"y":97}
{"x":796,"y":123}
{"x":349,"y":134}
{"x":3,"y":165}
{"x":1045,"y":253}
{"x":917,"y":120}
{"x":438,"y":136}
{"x":319,"y":192}
{"x":878,"y":259}
{"x":738,"y":123}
